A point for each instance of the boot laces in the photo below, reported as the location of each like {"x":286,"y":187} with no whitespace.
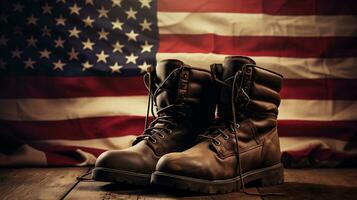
{"x":166,"y":115}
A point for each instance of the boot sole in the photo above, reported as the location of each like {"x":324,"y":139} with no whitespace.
{"x":272,"y":175}
{"x":120,"y":176}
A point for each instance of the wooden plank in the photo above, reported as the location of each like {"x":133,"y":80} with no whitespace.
{"x":107,"y":191}
{"x":316,"y":184}
{"x":38,"y":183}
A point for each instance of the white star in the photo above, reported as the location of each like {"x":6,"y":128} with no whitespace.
{"x":145,"y":25}
{"x":73,"y":55}
{"x":103,"y":34}
{"x":32,"y":20}
{"x":31,"y":42}
{"x":117,"y":24}
{"x":131,"y":35}
{"x":29,"y":63}
{"x":115,"y":67}
{"x":46,"y":31}
{"x":74,"y":9}
{"x":63,"y":1}
{"x":3,"y":40}
{"x":117,"y":47}
{"x":145,"y":3}
{"x":18,"y":7}
{"x":74,"y":32}
{"x":88,"y":44}
{"x":131,"y":59}
{"x":144,"y":67}
{"x":116,"y":3}
{"x":89,"y":2}
{"x":86,"y":65}
{"x":59,"y":42}
{"x":17,"y":30}
{"x":16,"y":53}
{"x":102,"y":57}
{"x":45,"y":54}
{"x":103,"y":12}
{"x":46,"y":9}
{"x":88,"y":22}
{"x":146,"y":47}
{"x":58,"y":65}
{"x":61,"y":21}
{"x":131,"y":13}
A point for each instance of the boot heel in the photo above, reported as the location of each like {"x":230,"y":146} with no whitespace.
{"x":272,"y":177}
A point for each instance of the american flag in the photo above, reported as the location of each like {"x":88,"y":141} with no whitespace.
{"x":71,"y":71}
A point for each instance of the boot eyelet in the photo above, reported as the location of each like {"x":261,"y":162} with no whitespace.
{"x":216,"y":142}
{"x":161,"y":135}
{"x":226,"y":137}
{"x":154,"y":141}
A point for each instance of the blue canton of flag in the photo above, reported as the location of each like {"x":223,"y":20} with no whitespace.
{"x":78,"y":38}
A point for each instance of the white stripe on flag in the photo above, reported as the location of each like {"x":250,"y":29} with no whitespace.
{"x":73,"y":108}
{"x":303,"y":68}
{"x":239,"y":24}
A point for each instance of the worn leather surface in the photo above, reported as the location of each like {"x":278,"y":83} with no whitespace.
{"x":192,"y":89}
{"x":258,"y":138}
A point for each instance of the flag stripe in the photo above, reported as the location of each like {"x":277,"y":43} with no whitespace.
{"x":276,"y":7}
{"x":73,"y":108}
{"x":302,"y":47}
{"x":238,"y":24}
{"x":116,"y":126}
{"x":294,"y":68}
{"x":52,"y":87}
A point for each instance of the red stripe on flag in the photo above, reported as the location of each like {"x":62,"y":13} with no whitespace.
{"x":56,"y":87}
{"x":276,"y":7}
{"x":74,"y":129}
{"x":302,"y":47}
{"x":65,"y":87}
{"x":102,"y":127}
{"x":341,"y":130}
{"x":335,"y":89}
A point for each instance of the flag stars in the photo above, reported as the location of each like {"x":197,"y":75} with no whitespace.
{"x":3,"y":40}
{"x":86,"y":65}
{"x":59,"y":42}
{"x":73,"y":55}
{"x":145,"y":25}
{"x":45,"y":54}
{"x":74,"y":32}
{"x":117,"y":47}
{"x":46,"y":9}
{"x":16,"y":53}
{"x":143,"y":67}
{"x":146,"y":47}
{"x":74,"y":9}
{"x":117,"y":24}
{"x":131,"y":13}
{"x":32,"y":20}
{"x":17,"y":30}
{"x":88,"y":44}
{"x":29,"y":63}
{"x":145,"y":3}
{"x":103,"y":34}
{"x":88,"y":22}
{"x":131,"y":35}
{"x":31,"y":42}
{"x":102,"y":57}
{"x":116,"y":3}
{"x":58,"y":65}
{"x":46,"y":31}
{"x":131,"y":59}
{"x":115,"y":68}
{"x":18,"y":7}
{"x":103,"y":12}
{"x":89,"y":2}
{"x":61,"y":21}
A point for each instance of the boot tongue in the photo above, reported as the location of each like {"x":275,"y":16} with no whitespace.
{"x":232,"y":64}
{"x":167,"y":95}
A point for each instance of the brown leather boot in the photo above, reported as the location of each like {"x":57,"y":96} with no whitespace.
{"x":248,"y":106}
{"x":184,"y":109}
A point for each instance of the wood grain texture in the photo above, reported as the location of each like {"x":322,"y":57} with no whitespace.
{"x":37,"y":183}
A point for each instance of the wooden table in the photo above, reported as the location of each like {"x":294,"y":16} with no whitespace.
{"x":61,"y":183}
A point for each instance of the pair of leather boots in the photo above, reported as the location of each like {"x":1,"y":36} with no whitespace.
{"x":186,"y":147}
